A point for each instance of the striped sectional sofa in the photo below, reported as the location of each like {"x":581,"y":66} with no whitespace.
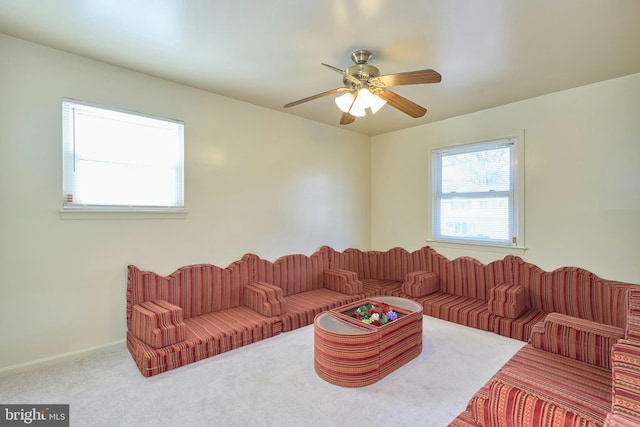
{"x":203,"y":310}
{"x":196,"y":312}
{"x":510,"y":296}
{"x":573,"y":372}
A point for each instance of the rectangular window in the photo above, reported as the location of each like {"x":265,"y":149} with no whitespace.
{"x":475,"y":193}
{"x":114,"y":159}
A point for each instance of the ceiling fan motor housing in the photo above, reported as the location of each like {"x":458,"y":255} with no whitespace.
{"x":362,"y":71}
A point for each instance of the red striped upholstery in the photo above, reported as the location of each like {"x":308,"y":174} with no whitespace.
{"x":421,"y":259}
{"x":459,"y":309}
{"x":301,"y":279}
{"x":264,"y":298}
{"x":465,"y":419}
{"x":344,"y":281}
{"x":382,"y":273}
{"x":625,"y":409}
{"x":209,"y":298}
{"x":390,"y":265}
{"x":294,"y":273}
{"x":421,"y":283}
{"x":375,"y":287}
{"x":578,"y":339}
{"x":517,"y":407}
{"x":580,"y":388}
{"x":519,"y":328}
{"x":464,"y":286}
{"x":572,"y":291}
{"x":632,"y":325}
{"x":507,"y":300}
{"x":468,"y":277}
{"x":304,"y":306}
{"x":158,"y":323}
{"x":197,"y":289}
{"x":289,"y":292}
{"x":206,"y":335}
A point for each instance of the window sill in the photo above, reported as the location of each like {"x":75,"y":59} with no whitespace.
{"x":121,"y":214}
{"x":510,"y":250}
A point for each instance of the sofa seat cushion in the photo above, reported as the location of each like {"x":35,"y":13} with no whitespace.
{"x":519,"y":328}
{"x":206,"y":335}
{"x":577,"y":387}
{"x":303,"y":307}
{"x":379,"y":287}
{"x":459,"y":309}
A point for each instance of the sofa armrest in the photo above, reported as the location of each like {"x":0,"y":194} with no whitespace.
{"x":507,"y":300}
{"x":632,"y":327}
{"x":578,"y":339}
{"x":512,"y":406}
{"x":344,"y":281}
{"x":537,"y":335}
{"x":421,"y":283}
{"x":625,"y":371}
{"x":264,"y":298}
{"x":158,"y":323}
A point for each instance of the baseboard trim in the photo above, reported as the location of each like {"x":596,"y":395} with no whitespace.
{"x":60,"y":358}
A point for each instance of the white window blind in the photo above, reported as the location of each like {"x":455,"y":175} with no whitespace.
{"x":475,"y":193}
{"x":121,"y":160}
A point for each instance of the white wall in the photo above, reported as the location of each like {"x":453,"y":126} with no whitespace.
{"x":256,"y":181}
{"x":582,"y":178}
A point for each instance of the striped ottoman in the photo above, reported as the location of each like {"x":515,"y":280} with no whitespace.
{"x":350,"y":353}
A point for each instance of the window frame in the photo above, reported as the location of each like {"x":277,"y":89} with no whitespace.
{"x":515,"y":193}
{"x":111,"y":211}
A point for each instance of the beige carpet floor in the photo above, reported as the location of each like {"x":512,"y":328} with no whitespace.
{"x":269,"y":383}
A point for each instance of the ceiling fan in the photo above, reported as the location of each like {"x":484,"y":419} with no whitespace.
{"x":364,"y":87}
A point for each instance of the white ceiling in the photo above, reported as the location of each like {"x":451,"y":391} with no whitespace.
{"x":268,"y":52}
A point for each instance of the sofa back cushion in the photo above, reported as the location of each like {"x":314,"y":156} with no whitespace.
{"x":572,"y":291}
{"x":421,"y":259}
{"x":293,"y":273}
{"x":390,"y":265}
{"x":468,"y":277}
{"x":197,"y":289}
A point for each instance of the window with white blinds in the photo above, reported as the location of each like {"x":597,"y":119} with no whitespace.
{"x":114,"y":159}
{"x":475,"y":193}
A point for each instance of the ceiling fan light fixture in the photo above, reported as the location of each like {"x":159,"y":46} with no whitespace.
{"x":364,"y":99}
{"x":377,"y":103}
{"x":356,"y":103}
{"x":345,"y":101}
{"x":357,"y":112}
{"x":363,"y":87}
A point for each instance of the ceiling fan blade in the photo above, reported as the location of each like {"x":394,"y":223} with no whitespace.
{"x":347,"y":119}
{"x":312,"y":97}
{"x":344,"y":74}
{"x":410,"y":78}
{"x":403,"y":104}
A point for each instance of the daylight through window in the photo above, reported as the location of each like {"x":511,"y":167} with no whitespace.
{"x":122,"y":160}
{"x":475,"y":193}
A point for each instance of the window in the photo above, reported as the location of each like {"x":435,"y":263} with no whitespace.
{"x":476,"y":193}
{"x":121,"y":160}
